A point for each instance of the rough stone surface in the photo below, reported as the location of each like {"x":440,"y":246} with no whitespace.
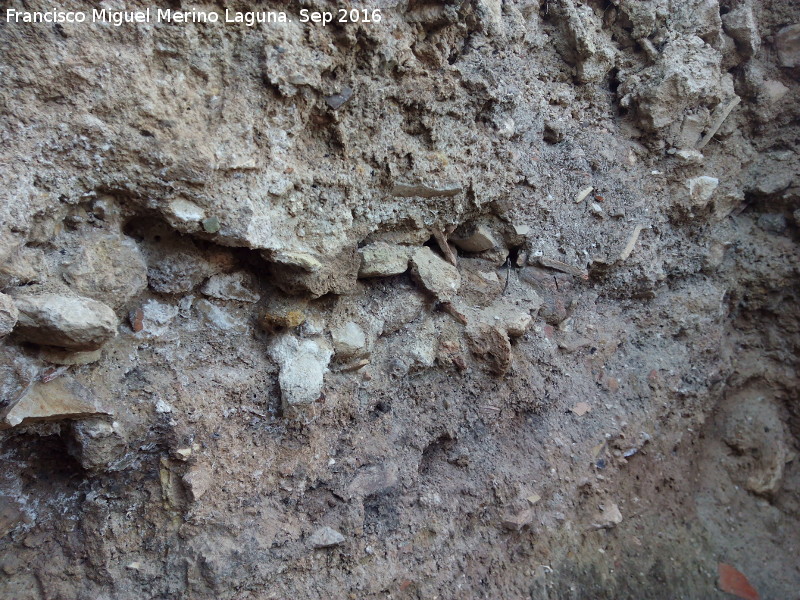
{"x":303,"y":364}
{"x":65,"y":321}
{"x":230,"y":286}
{"x":349,"y":340}
{"x":479,"y":239}
{"x":787,"y":42}
{"x":325,"y":537}
{"x":435,"y":274}
{"x":381,"y":259}
{"x":8,"y":314}
{"x":61,"y":399}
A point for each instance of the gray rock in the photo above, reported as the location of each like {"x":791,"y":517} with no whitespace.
{"x":303,"y":364}
{"x":787,"y":43}
{"x":57,"y":356}
{"x":421,"y":190}
{"x":480,"y":238}
{"x":62,"y":398}
{"x":97,"y":444}
{"x":8,"y":314}
{"x":230,"y":286}
{"x":153,"y":318}
{"x":67,"y":322}
{"x":701,"y":189}
{"x":740,"y":24}
{"x":381,"y":259}
{"x":335,"y":101}
{"x":349,"y":340}
{"x":108,"y":269}
{"x":220,"y":318}
{"x":325,"y":537}
{"x":435,"y":274}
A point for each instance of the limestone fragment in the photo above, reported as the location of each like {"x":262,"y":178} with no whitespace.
{"x":325,"y":537}
{"x":560,"y":266}
{"x":108,"y":269}
{"x":230,"y":286}
{"x":186,"y":210}
{"x":303,"y":364}
{"x":701,"y":189}
{"x":62,"y":398}
{"x":219,"y":317}
{"x":787,"y":43}
{"x":349,"y":340}
{"x":197,"y":482}
{"x":65,"y":321}
{"x":57,"y":356}
{"x":609,"y":517}
{"x":153,"y":318}
{"x":517,"y":520}
{"x":335,"y":101}
{"x":740,"y":24}
{"x":8,"y":314}
{"x":285,"y":312}
{"x":480,"y":239}
{"x":380,"y":259}
{"x":436,"y":275}
{"x":97,"y":444}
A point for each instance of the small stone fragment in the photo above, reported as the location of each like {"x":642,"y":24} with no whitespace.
{"x":97,"y":444}
{"x":435,"y":274}
{"x":701,"y":189}
{"x":491,"y":343}
{"x":153,"y":318}
{"x":518,"y":520}
{"x":787,"y":43}
{"x":480,"y":239}
{"x":62,"y":398}
{"x":230,"y":286}
{"x":581,"y":408}
{"x":581,"y":196}
{"x":197,"y":482}
{"x":560,"y":266}
{"x":211,"y":225}
{"x":325,"y":537}
{"x":303,"y":364}
{"x":626,"y":251}
{"x":380,"y":259}
{"x":186,"y":210}
{"x":349,"y":340}
{"x":8,"y":314}
{"x":609,"y":517}
{"x":335,"y":101}
{"x":65,"y":321}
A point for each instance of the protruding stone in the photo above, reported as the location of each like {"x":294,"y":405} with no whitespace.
{"x":301,"y":273}
{"x":62,"y":398}
{"x":325,"y":537}
{"x":153,"y":318}
{"x":381,"y":259}
{"x":219,"y":317}
{"x":349,"y":340}
{"x":479,"y":239}
{"x":57,"y":356}
{"x":97,"y":444}
{"x":8,"y":314}
{"x":516,"y":321}
{"x":787,"y":43}
{"x":701,"y":189}
{"x":197,"y":482}
{"x":491,"y":343}
{"x":303,"y":364}
{"x":68,"y":322}
{"x":108,"y":269}
{"x":230,"y":286}
{"x":186,"y":210}
{"x":211,"y":225}
{"x":421,"y":190}
{"x":435,"y":274}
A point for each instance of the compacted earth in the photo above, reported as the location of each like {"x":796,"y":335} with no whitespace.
{"x":475,"y":299}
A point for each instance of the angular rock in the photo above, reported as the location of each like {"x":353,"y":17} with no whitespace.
{"x":435,"y":274}
{"x":325,"y":537}
{"x":373,"y":480}
{"x":230,"y":286}
{"x":479,"y":239}
{"x":349,"y":340}
{"x":490,"y":343}
{"x":421,"y":190}
{"x":787,"y":43}
{"x":300,"y":273}
{"x":515,"y":521}
{"x":740,"y":24}
{"x":302,"y":364}
{"x":65,"y":321}
{"x":516,"y":321}
{"x":197,"y":482}
{"x":97,"y":444}
{"x":701,"y":189}
{"x":8,"y":314}
{"x":108,"y":269}
{"x":380,"y":259}
{"x":62,"y":398}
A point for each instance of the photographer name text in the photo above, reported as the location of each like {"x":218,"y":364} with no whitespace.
{"x":119,"y":18}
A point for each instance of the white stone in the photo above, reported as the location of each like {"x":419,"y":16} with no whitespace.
{"x":349,"y":340}
{"x":325,"y":537}
{"x":8,"y":314}
{"x":435,"y":274}
{"x":380,"y":259}
{"x":230,"y":286}
{"x":701,"y":189}
{"x":303,"y":364}
{"x":186,"y":211}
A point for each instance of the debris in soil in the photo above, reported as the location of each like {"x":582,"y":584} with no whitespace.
{"x":581,"y":408}
{"x":734,"y":582}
